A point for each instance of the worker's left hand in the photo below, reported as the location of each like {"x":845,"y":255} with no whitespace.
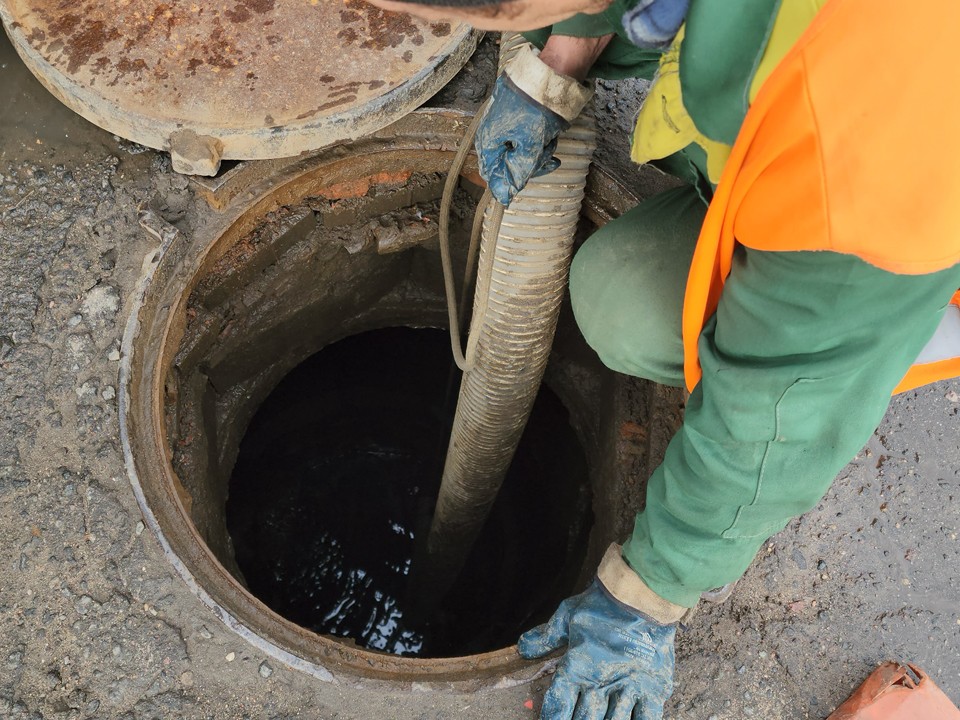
{"x":618,"y":665}
{"x":516,"y":140}
{"x":530,"y":106}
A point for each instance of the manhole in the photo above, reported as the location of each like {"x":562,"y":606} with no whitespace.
{"x":334,"y":482}
{"x":298,"y":337}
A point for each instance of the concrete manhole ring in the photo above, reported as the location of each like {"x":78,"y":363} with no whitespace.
{"x":424,"y":142}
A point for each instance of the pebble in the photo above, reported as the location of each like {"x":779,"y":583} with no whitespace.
{"x":799,"y":559}
{"x":114,"y":355}
{"x":205,"y":634}
{"x":75,"y":320}
{"x":108,"y":393}
{"x":14,"y":660}
{"x":102,"y":302}
{"x":265,"y":670}
{"x":186,"y":679}
{"x":230,"y":656}
{"x":821,"y":566}
{"x":139,"y":527}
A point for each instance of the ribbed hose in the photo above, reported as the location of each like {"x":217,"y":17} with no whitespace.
{"x":521,"y":282}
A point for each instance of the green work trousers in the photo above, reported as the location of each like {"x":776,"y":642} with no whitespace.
{"x":799,"y":363}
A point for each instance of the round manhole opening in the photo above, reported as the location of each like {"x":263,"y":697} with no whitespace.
{"x":333,"y":487}
{"x":286,"y":395}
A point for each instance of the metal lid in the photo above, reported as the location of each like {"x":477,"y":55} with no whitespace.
{"x":242,"y":79}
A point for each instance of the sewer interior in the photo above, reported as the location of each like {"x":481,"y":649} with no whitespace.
{"x":334,"y":485}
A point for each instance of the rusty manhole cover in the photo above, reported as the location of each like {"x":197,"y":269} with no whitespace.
{"x":241,"y":79}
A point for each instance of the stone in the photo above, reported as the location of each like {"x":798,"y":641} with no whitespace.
{"x":101,"y":303}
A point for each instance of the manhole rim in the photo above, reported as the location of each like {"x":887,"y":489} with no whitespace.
{"x":429,"y":131}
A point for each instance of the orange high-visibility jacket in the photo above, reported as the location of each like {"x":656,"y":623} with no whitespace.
{"x":851,"y":145}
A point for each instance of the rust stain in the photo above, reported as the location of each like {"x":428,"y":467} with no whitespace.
{"x":245,"y":9}
{"x":361,"y":186}
{"x":386,"y":29}
{"x":633,"y":432}
{"x":125,"y":66}
{"x":202,"y":62}
{"x":345,"y":89}
{"x":348,"y":35}
{"x":80,"y":40}
{"x":260,"y":6}
{"x":474,"y":177}
{"x":343,"y":100}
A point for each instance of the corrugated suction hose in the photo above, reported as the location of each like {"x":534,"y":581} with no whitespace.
{"x":525,"y":254}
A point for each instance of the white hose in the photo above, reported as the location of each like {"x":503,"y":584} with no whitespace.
{"x":522,"y":277}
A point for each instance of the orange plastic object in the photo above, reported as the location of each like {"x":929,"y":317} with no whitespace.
{"x":892,"y":693}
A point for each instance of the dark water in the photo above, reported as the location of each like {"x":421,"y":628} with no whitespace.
{"x":335,"y":482}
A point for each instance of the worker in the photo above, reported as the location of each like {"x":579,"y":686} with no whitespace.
{"x":805,"y":270}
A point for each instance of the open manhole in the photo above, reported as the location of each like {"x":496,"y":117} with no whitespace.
{"x":286,"y":393}
{"x":334,"y":482}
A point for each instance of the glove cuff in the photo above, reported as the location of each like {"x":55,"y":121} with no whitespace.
{"x":623,"y":583}
{"x":541,"y":83}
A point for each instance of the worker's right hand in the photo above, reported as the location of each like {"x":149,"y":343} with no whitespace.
{"x":530,"y":106}
{"x":618,"y":664}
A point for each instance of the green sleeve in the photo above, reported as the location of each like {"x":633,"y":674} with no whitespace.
{"x":620,"y":59}
{"x":798,"y":366}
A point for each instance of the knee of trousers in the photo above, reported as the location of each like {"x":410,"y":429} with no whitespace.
{"x":628,"y":308}
{"x":627,"y":284}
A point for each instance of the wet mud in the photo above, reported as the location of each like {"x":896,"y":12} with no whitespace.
{"x":35,"y":127}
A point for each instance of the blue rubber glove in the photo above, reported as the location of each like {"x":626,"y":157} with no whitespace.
{"x":618,"y":666}
{"x":516,"y":140}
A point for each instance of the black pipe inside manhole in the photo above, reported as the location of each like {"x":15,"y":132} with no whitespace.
{"x":335,"y":476}
{"x":285,"y":390}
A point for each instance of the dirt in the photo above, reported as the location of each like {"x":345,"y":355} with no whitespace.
{"x":93,"y":623}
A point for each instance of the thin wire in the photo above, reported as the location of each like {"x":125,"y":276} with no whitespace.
{"x":466,"y":361}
